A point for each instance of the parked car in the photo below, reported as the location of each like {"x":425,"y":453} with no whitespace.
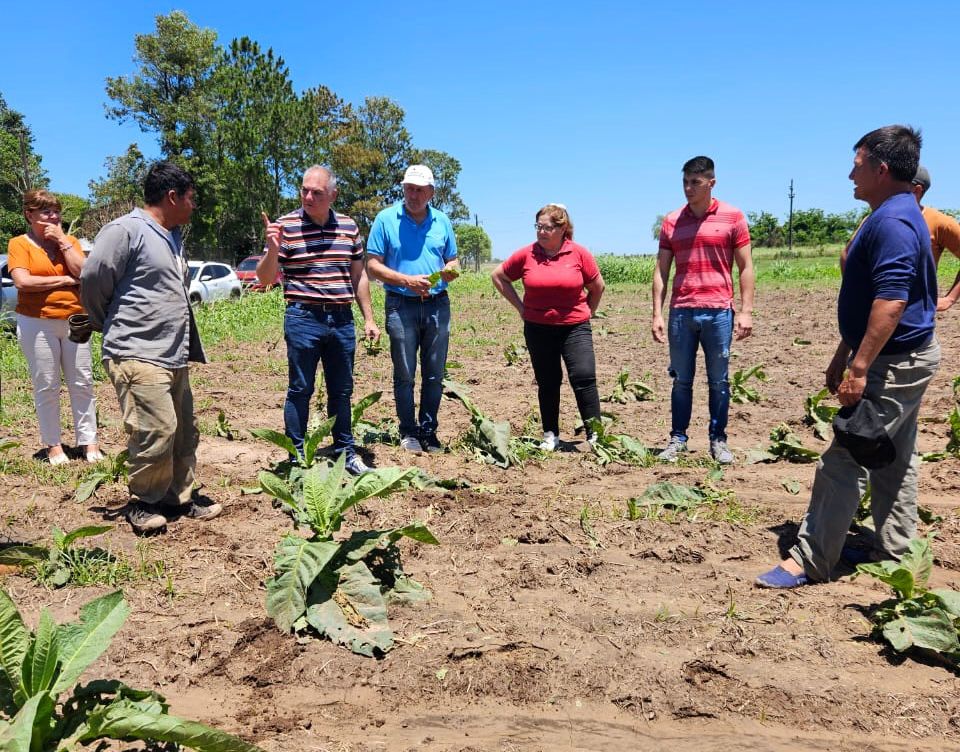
{"x":247,"y":273}
{"x":8,"y":295}
{"x":212,"y":280}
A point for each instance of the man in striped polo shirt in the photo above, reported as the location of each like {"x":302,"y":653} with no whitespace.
{"x":705,"y":237}
{"x":321,"y":254}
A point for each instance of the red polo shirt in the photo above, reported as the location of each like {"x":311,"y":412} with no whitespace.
{"x":553,"y":287}
{"x":703,"y":250}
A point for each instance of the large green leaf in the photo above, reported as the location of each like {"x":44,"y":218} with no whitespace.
{"x":377,"y":483}
{"x":14,"y":643}
{"x":40,"y":662}
{"x":361,"y":542}
{"x":298,"y":563}
{"x":124,"y":720}
{"x":19,"y":556}
{"x":890,"y":572}
{"x":673,"y":495}
{"x":276,"y":438}
{"x":314,"y":438}
{"x":352,"y":611}
{"x":949,"y":600}
{"x":933,"y":630}
{"x":819,"y":415}
{"x":460,"y":392}
{"x":80,"y":644}
{"x":321,"y":485}
{"x":275,"y":486}
{"x":16,"y":736}
{"x":362,"y":405}
{"x":919,"y":561}
{"x":88,"y":486}
{"x":497,"y":439}
{"x":87,"y":531}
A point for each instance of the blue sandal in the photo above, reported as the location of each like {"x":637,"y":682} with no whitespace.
{"x":778,"y":577}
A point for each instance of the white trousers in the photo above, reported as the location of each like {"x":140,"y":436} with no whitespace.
{"x":49,"y":351}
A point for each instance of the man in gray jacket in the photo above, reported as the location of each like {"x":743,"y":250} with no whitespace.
{"x":134,"y":288}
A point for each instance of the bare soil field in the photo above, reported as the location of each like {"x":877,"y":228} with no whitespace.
{"x":556,"y":623}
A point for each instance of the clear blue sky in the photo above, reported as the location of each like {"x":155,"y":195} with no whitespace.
{"x":541,"y":102}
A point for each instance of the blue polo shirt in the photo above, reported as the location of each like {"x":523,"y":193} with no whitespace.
{"x":411,"y":248}
{"x":890,"y":258}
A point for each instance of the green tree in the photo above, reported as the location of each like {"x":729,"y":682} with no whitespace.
{"x":119,"y":191}
{"x":170,"y":93}
{"x":472,"y":243}
{"x":765,"y":230}
{"x":657,"y":226}
{"x":20,"y":171}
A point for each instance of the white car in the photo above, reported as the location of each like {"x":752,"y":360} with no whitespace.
{"x":212,"y":280}
{"x":8,"y":295}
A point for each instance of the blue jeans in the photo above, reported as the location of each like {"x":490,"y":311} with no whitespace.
{"x":711,"y":328}
{"x":315,"y":335}
{"x":418,"y":324}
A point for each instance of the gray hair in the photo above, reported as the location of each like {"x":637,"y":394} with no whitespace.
{"x":331,"y":177}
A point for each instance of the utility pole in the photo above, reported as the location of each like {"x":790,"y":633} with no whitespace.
{"x":790,"y":225}
{"x":476,"y":256}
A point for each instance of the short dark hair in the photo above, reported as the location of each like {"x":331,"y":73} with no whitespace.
{"x":897,"y":146}
{"x":163,"y":177}
{"x":699,"y":166}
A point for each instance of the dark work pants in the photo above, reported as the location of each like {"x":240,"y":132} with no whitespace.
{"x":573,"y":343}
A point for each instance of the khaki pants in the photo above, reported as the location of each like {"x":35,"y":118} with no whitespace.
{"x":897,"y":383}
{"x":157,"y":407}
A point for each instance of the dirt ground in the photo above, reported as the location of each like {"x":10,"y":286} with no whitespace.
{"x":649,"y":636}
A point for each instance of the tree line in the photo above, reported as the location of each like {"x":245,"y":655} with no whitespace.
{"x":811,"y":227}
{"x":230,"y":115}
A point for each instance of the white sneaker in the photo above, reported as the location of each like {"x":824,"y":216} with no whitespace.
{"x":411,"y":444}
{"x":550,"y":443}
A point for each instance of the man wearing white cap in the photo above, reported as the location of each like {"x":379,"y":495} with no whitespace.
{"x":409,"y":242}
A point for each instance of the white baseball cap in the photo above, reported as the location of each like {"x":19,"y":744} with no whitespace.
{"x":418,"y":174}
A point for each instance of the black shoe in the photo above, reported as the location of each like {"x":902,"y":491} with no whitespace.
{"x":144,"y":517}
{"x":199,"y":508}
{"x":430,"y":443}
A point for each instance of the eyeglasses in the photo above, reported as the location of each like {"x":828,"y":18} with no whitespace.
{"x":545,"y":228}
{"x":47,"y":212}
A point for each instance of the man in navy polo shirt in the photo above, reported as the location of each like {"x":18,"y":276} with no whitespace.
{"x":888,"y":353}
{"x":408,"y":242}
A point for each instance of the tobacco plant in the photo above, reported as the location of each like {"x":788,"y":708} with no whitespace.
{"x":487,"y":439}
{"x":784,"y":445}
{"x":340,"y":587}
{"x":740,"y":391}
{"x":111,"y":470}
{"x":953,"y":421}
{"x":63,"y":563}
{"x":916,"y":618}
{"x":38,"y":668}
{"x":819,"y":415}
{"x":625,"y":391}
{"x":617,"y":447}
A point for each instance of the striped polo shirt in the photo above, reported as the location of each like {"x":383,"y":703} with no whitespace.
{"x":703,"y":251}
{"x":316,"y":259}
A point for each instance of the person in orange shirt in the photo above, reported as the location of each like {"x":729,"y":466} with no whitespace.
{"x":944,"y":234}
{"x":45,"y":266}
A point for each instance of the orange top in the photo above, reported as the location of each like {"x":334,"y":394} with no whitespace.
{"x":58,"y":303}
{"x":944,"y":233}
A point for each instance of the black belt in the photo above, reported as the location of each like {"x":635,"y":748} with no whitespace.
{"x":319,"y":306}
{"x":438,"y":296}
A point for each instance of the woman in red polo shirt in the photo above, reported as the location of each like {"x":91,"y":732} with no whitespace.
{"x":562,"y":287}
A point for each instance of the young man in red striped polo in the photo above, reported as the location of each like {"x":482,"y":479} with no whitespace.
{"x":705,"y":238}
{"x":321,"y":254}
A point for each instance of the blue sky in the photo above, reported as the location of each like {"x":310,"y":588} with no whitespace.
{"x":549,"y":102}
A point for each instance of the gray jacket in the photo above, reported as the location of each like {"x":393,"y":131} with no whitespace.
{"x":134,"y":287}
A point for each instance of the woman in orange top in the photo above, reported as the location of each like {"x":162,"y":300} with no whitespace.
{"x":45,"y":266}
